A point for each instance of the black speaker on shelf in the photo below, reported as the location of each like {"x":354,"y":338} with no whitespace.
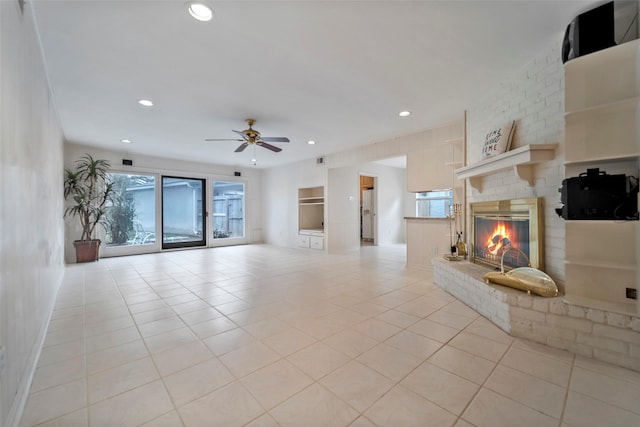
{"x":589,"y":32}
{"x":607,"y":25}
{"x":596,"y":195}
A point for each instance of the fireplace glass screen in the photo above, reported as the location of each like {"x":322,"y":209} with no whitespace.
{"x":499,"y":226}
{"x":494,"y":236}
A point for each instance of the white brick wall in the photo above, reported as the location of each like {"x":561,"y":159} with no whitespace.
{"x":534,"y":97}
{"x":611,"y":337}
{"x":463,"y":280}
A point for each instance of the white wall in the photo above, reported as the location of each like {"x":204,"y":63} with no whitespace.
{"x":534,"y":97}
{"x":392,"y":202}
{"x":280,"y":195}
{"x":148,"y":164}
{"x":31,"y":227}
{"x":342,"y":229}
{"x":280,"y":199}
{"x":339,"y":174}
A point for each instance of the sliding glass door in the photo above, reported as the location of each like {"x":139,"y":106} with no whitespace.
{"x":150,"y":212}
{"x":228,"y":220}
{"x":183,"y":212}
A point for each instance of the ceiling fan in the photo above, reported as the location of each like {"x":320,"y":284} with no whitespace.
{"x":252,"y":137}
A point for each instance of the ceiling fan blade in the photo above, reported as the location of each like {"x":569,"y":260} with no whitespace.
{"x":226,"y":139}
{"x":270,"y":147}
{"x":275,"y":139}
{"x":241,"y":147}
{"x":244,"y":137}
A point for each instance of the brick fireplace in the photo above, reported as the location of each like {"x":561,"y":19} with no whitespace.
{"x":610,"y":336}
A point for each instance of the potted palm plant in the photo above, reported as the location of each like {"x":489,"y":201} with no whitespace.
{"x":88,"y":189}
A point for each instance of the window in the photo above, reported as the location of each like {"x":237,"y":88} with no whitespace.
{"x":434,"y":204}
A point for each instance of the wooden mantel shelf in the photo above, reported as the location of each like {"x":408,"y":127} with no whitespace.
{"x":520,"y":159}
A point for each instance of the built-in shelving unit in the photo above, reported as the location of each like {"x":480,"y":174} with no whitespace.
{"x":520,"y":159}
{"x":602,"y":102}
{"x":311,"y":217}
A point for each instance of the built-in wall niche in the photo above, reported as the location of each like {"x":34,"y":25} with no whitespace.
{"x":602,"y":130}
{"x":311,"y":217}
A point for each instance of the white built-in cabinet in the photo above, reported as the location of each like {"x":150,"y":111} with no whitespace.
{"x":311,"y":217}
{"x":602,"y":124}
{"x":457,"y":158}
{"x":429,"y":169}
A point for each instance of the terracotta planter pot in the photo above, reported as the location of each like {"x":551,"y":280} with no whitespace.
{"x":87,"y":251}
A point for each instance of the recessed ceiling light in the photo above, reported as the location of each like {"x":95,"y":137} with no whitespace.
{"x":404,"y":113}
{"x":311,"y":142}
{"x":200,"y":11}
{"x":126,"y":141}
{"x":145,"y":102}
{"x":254,"y":160}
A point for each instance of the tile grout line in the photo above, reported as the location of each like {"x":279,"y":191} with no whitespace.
{"x":150,"y":355}
{"x":568,"y":388}
{"x":484,"y":382}
{"x":84,"y":344}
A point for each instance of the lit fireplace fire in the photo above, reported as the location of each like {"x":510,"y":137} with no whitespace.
{"x":499,"y":238}
{"x":495,"y":235}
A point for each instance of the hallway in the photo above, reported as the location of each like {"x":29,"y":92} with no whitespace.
{"x":264,"y":336}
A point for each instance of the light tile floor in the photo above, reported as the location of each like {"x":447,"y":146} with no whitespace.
{"x":265,"y":336}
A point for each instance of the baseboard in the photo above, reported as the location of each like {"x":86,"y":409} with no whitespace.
{"x":19,"y":402}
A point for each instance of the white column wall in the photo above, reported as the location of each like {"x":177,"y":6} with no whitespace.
{"x":31,"y":225}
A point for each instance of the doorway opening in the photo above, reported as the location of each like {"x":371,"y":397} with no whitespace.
{"x":367,"y":210}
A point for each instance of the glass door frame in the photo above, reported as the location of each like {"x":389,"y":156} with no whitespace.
{"x":113,"y":251}
{"x":229,"y":241}
{"x":202,"y":243}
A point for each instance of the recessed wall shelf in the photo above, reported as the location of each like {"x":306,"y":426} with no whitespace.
{"x":311,"y":217}
{"x":602,"y":118}
{"x":520,"y":159}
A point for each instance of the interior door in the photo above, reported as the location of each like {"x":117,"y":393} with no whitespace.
{"x":367,"y":214}
{"x":183,"y":212}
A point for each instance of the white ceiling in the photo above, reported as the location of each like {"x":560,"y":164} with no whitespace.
{"x":337,"y":72}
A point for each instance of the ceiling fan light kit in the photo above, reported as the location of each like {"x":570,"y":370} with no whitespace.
{"x":253,"y":137}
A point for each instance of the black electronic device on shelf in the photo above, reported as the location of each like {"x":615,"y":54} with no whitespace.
{"x":589,"y":32}
{"x":607,"y":25}
{"x":594,"y":195}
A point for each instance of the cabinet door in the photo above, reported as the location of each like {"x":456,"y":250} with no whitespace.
{"x":316,"y":242}
{"x":427,"y":169}
{"x":415,"y":168}
{"x":303,"y":241}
